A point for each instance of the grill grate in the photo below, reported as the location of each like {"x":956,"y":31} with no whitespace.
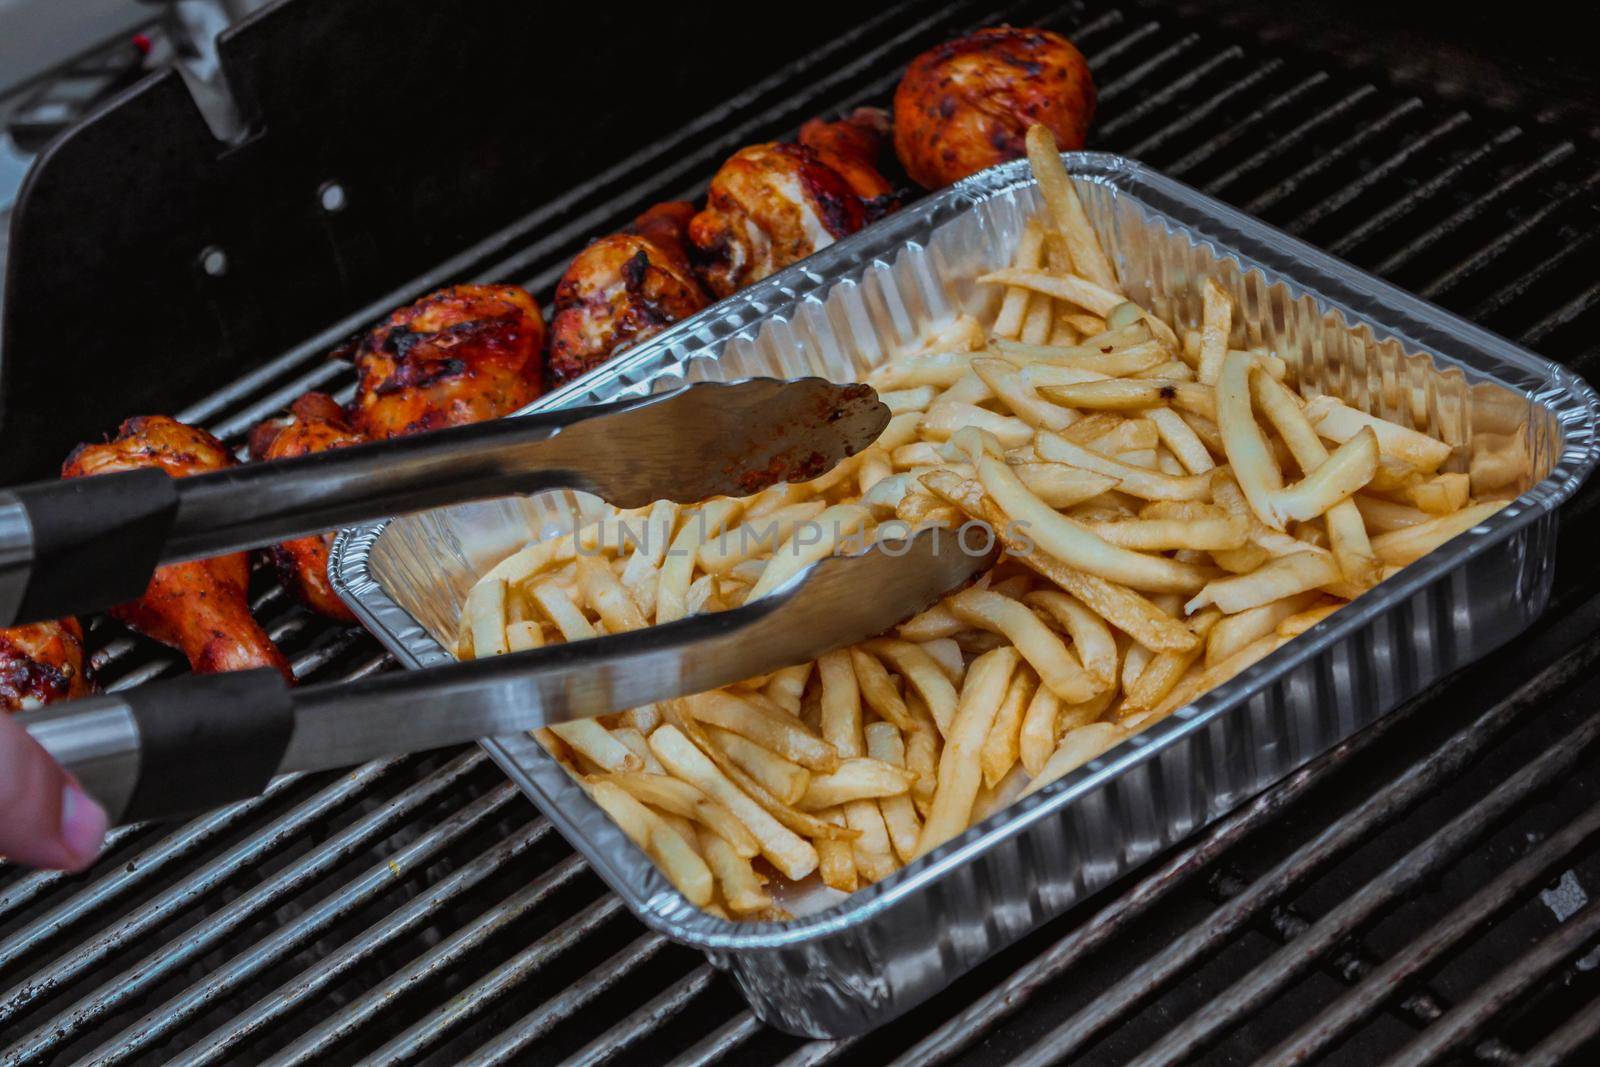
{"x":419,"y":910}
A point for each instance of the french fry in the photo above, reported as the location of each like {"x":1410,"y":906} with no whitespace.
{"x":858,"y":778}
{"x":959,"y":772}
{"x":947,"y":417}
{"x":1045,"y":652}
{"x":785,"y":686}
{"x":720,"y":554}
{"x":1216,"y":324}
{"x":1000,"y":749}
{"x":524,"y":635}
{"x":1018,"y":394}
{"x":1166,"y":668}
{"x":1340,"y":422}
{"x":737,"y":880}
{"x":1074,"y":545}
{"x":672,"y":587}
{"x":837,"y":859}
{"x":1284,"y":576}
{"x":1136,"y":481}
{"x":1069,"y":287}
{"x":879,"y":691}
{"x":1092,"y":641}
{"x":923,"y":674}
{"x":681,"y":798}
{"x":800,"y":550}
{"x":1385,"y":515}
{"x":1163,"y":535}
{"x":1297,"y":624}
{"x":1077,"y":747}
{"x":1037,"y":738}
{"x":784,"y":779}
{"x":885,"y":744}
{"x":1060,"y":485}
{"x":676,"y":857}
{"x":1254,"y":467}
{"x":1233,"y":632}
{"x":777,"y":732}
{"x":1107,"y":361}
{"x":1331,"y":483}
{"x":1014,"y":308}
{"x":1401,"y":547}
{"x":1123,"y":608}
{"x":1066,"y":210}
{"x":1134,"y":394}
{"x":783,"y":848}
{"x":485,"y":612}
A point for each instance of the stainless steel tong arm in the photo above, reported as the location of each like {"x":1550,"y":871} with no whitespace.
{"x":89,"y":543}
{"x":199,"y":741}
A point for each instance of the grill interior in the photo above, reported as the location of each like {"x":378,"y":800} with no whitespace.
{"x":1419,"y":894}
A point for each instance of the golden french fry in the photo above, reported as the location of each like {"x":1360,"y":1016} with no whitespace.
{"x":524,"y":635}
{"x":1297,"y":624}
{"x":1077,"y":748}
{"x":784,"y":849}
{"x":1384,"y":516}
{"x":1121,"y":607}
{"x":818,"y":538}
{"x":1166,"y":668}
{"x":485,"y":612}
{"x":1216,"y":324}
{"x":1069,"y":287}
{"x":923,"y":674}
{"x":758,"y":536}
{"x":1092,"y":640}
{"x":948,"y":416}
{"x":682,"y":798}
{"x":1441,"y":494}
{"x":1045,"y":652}
{"x":837,"y":858}
{"x":1037,"y":738}
{"x":735,"y":877}
{"x":1135,"y":394}
{"x":1284,"y":576}
{"x":1066,"y":209}
{"x":1018,"y":394}
{"x":1254,"y":467}
{"x":1014,"y":308}
{"x":1401,"y":547}
{"x":1000,"y":749}
{"x":1163,"y":535}
{"x":1331,"y":483}
{"x":1108,"y":361}
{"x":1234,"y":632}
{"x":858,"y":778}
{"x":676,"y":857}
{"x":1340,"y":422}
{"x":1060,"y":485}
{"x":782,"y":778}
{"x":885,"y":744}
{"x":1074,"y":545}
{"x":772,"y":730}
{"x":677,"y":570}
{"x":785,"y":686}
{"x":959,"y":773}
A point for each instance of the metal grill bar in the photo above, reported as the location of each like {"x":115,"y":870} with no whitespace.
{"x":1321,"y":163}
{"x":1269,"y":979}
{"x":531,"y":1027}
{"x":646,"y":1019}
{"x":1204,"y":111}
{"x":1260,"y":115}
{"x":717,"y":1044}
{"x":1567,"y":1040}
{"x":1468,"y":1017}
{"x":319,"y":977}
{"x":1563,"y":315}
{"x":372,"y":882}
{"x":1114,"y":88}
{"x":1383,"y":983}
{"x":143,"y":975}
{"x":1448,"y":175}
{"x":319,"y":1040}
{"x":1476,"y":206}
{"x":1345,"y":105}
{"x":283,"y":831}
{"x":1370,"y":178}
{"x":1162,"y":97}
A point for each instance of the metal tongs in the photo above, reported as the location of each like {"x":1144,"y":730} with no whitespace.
{"x":199,"y":741}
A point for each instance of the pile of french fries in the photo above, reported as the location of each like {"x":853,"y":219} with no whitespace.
{"x":1171,"y":512}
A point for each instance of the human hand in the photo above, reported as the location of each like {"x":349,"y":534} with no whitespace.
{"x":46,"y":819}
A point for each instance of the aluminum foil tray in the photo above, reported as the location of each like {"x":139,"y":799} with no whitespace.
{"x":871,"y":956}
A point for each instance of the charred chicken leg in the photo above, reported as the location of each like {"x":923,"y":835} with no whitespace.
{"x":315,"y":423}
{"x":201,"y":607}
{"x":460,"y":355}
{"x":623,"y":289}
{"x":41,"y":662}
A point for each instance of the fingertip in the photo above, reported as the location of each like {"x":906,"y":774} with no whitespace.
{"x":83,"y":825}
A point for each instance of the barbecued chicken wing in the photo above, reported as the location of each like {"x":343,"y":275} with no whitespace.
{"x":463,"y":354}
{"x":967,"y":104}
{"x":41,"y":662}
{"x":772,"y":205}
{"x":199,"y":608}
{"x":623,"y":289}
{"x":854,"y":146}
{"x":315,"y":423}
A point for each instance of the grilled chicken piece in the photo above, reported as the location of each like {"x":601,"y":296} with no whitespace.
{"x":774,"y":204}
{"x":623,"y":289}
{"x":315,"y":423}
{"x":463,"y":354}
{"x":200,"y":607}
{"x":41,"y":662}
{"x":854,"y":146}
{"x":967,"y":104}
